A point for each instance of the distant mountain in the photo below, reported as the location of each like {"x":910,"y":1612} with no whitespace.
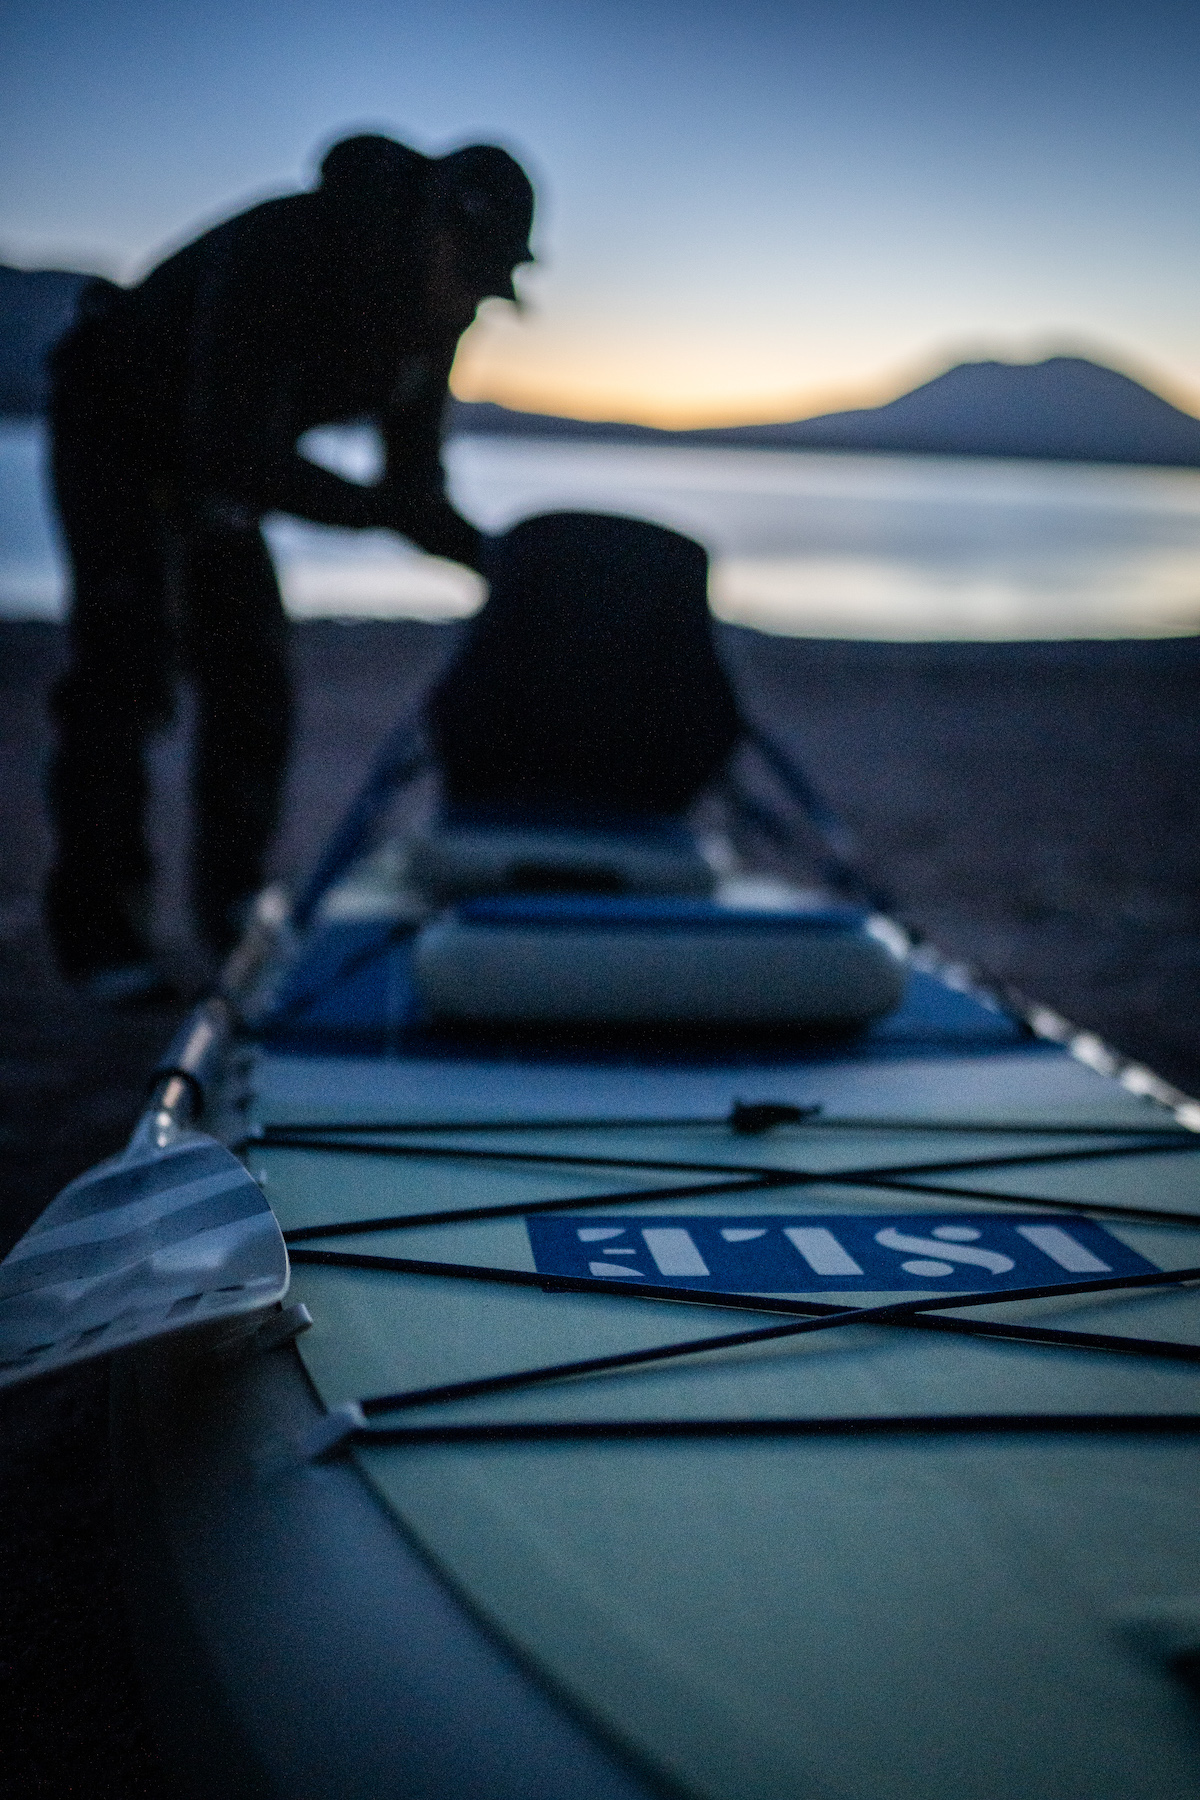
{"x":36,"y":306}
{"x":1065,"y":409}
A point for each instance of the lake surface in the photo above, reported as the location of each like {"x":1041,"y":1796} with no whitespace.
{"x":803,"y":543}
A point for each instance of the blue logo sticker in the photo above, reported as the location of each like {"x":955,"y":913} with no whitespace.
{"x":833,"y":1253}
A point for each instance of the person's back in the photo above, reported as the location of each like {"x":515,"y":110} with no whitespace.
{"x":302,"y":311}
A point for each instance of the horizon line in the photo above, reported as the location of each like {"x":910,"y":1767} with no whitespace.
{"x":921,"y":371}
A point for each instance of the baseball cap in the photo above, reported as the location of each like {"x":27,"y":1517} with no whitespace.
{"x":486,"y":199}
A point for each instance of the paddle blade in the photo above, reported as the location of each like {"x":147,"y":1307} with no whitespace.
{"x":158,"y":1240}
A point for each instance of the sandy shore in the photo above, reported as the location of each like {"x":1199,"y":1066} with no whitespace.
{"x":1033,"y":807}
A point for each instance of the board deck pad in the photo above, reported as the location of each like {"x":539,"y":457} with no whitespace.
{"x":832,"y":1253}
{"x":846,"y":1614}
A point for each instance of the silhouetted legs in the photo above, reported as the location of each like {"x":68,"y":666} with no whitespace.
{"x":115,"y":692}
{"x":236,"y":650}
{"x":132,"y":581}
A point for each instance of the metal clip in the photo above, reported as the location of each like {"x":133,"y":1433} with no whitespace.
{"x":333,"y":1434}
{"x":282,"y":1327}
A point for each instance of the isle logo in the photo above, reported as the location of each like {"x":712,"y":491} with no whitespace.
{"x":821,"y":1253}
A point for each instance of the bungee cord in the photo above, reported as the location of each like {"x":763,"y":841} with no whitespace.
{"x":941,"y":1312}
{"x":924,"y":1312}
{"x":865,"y":1425}
{"x":739,"y":1177}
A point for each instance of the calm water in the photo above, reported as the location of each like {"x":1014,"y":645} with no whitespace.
{"x":802,"y":543}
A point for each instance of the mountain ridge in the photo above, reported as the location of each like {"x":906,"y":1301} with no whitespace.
{"x":36,"y":306}
{"x":1061,"y":409}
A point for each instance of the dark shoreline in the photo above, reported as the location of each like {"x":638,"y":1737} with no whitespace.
{"x":1034,"y":806}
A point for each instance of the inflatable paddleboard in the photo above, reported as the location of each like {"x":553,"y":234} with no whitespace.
{"x":768,"y":1419}
{"x":729,"y":1351}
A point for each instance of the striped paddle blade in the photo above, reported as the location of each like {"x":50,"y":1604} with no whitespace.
{"x":166,"y":1237}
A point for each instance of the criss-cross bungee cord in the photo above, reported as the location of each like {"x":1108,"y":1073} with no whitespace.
{"x":406,"y":756}
{"x":351,"y":1422}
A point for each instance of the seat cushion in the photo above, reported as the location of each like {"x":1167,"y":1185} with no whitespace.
{"x":619,"y":960}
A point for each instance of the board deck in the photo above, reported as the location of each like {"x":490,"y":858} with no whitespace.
{"x":937,"y":1593}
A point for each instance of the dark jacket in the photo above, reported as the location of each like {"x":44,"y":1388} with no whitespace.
{"x":288,"y":316}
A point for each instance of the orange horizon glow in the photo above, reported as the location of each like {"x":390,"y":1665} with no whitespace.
{"x":578,"y":394}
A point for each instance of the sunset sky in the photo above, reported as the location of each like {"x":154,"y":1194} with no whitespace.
{"x":747,"y":210}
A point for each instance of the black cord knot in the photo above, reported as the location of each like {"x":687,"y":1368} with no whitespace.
{"x":751,"y":1118}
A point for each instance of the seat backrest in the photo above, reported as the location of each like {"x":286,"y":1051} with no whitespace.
{"x":589,"y":684}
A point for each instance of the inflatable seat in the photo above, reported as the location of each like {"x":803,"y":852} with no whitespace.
{"x":599,"y":960}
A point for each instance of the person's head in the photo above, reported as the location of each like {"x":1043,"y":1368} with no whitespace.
{"x":471,"y":210}
{"x":483,"y":201}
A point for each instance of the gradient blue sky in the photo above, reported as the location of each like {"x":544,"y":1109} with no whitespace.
{"x":748,"y":210}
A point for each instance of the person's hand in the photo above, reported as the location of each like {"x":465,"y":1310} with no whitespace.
{"x":426,"y":518}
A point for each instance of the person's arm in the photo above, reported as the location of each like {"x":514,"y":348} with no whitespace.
{"x":412,"y":492}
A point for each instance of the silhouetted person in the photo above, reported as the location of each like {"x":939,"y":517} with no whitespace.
{"x":176,"y":410}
